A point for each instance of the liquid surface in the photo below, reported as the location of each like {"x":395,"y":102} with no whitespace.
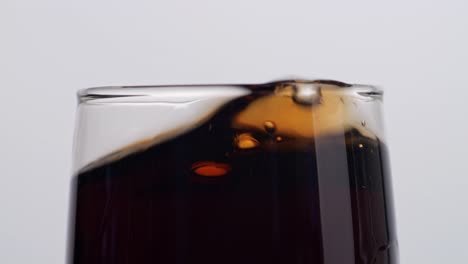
{"x":236,"y":190}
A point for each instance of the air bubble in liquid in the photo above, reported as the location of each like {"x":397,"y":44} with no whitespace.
{"x":210,"y":168}
{"x":270,"y":126}
{"x":307,"y":94}
{"x":246,"y":141}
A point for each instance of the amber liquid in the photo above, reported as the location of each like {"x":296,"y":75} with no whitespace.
{"x":217,"y":196}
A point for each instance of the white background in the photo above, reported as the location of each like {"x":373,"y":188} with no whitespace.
{"x":417,"y":50}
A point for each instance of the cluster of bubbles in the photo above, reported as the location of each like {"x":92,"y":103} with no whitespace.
{"x":303,"y":94}
{"x":248,"y":141}
{"x":242,"y":141}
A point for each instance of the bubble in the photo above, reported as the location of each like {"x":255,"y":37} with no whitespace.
{"x":307,"y":94}
{"x":360,"y":145}
{"x":210,"y":168}
{"x":246,"y":141}
{"x":279,"y":139}
{"x":270,"y":126}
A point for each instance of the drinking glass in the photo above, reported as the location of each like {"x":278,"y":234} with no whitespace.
{"x":285,"y":172}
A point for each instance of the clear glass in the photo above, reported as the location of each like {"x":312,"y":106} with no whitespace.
{"x":291,"y":171}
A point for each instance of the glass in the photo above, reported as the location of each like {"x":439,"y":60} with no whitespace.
{"x":287,"y":172}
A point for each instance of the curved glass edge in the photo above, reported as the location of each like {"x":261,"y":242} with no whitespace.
{"x":110,"y":94}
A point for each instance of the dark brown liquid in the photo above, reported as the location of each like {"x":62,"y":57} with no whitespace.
{"x":199,"y":199}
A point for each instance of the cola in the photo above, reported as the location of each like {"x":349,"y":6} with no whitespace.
{"x":241,"y":188}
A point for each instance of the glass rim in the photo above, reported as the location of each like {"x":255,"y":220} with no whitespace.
{"x":110,"y":92}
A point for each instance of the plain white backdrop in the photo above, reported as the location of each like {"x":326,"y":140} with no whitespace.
{"x":416,"y":50}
